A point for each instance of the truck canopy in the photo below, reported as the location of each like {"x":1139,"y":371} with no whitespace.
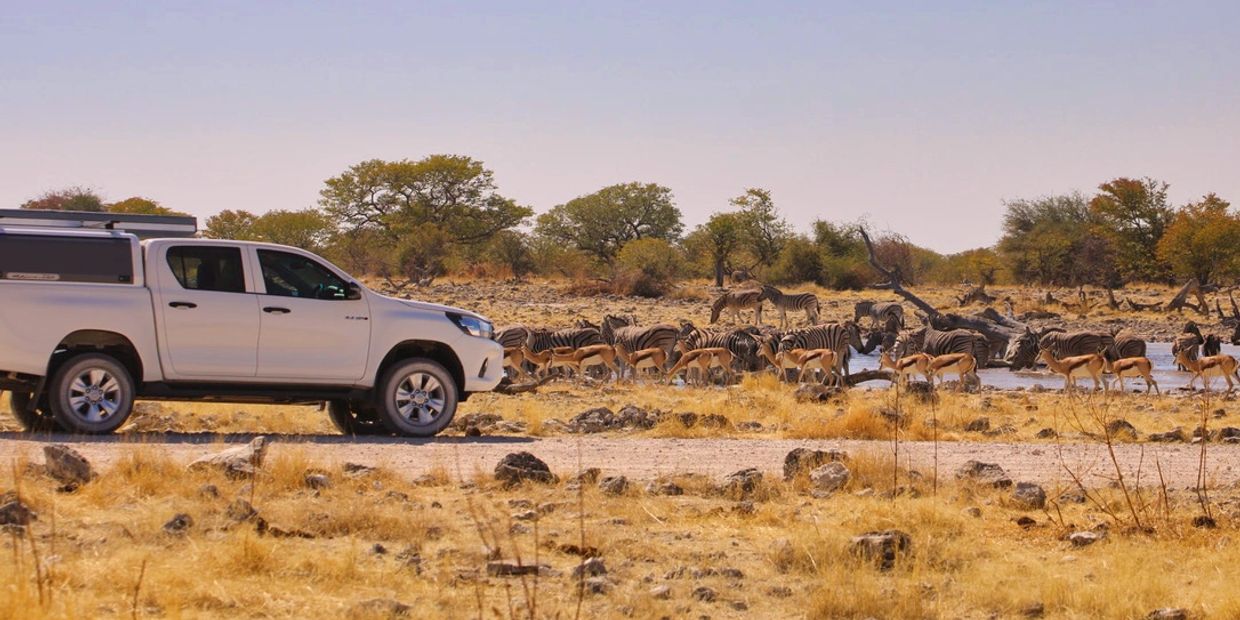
{"x":142,"y":226}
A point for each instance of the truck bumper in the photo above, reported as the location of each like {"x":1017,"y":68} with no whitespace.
{"x":484,"y":369}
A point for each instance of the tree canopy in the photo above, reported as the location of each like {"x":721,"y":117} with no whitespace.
{"x":601,"y":223}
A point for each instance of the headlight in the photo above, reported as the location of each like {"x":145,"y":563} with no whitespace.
{"x":474,"y":326}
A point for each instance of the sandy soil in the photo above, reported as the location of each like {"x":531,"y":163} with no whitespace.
{"x":647,"y":458}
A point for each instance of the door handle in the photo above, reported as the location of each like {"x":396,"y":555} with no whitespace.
{"x":183,"y":304}
{"x":276,"y":310}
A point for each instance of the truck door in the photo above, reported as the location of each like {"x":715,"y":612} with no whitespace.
{"x":210,"y":321}
{"x":310,"y":328}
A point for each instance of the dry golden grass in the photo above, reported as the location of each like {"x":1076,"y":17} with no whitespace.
{"x":102,"y":547}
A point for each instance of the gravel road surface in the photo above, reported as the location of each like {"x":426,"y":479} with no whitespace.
{"x":644,"y":458}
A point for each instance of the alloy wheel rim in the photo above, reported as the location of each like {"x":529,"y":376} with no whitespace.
{"x":95,"y":395}
{"x":420,"y":399}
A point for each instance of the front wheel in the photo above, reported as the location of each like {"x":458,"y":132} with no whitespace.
{"x":354,"y":419}
{"x":416,"y":398}
{"x":91,"y":394}
{"x":38,"y":420}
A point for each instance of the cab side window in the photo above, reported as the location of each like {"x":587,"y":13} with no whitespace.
{"x":207,"y":268}
{"x":293,"y":275}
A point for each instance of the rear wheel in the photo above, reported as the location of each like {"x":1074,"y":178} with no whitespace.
{"x":417,"y":398}
{"x":38,"y":420}
{"x":355,"y":420}
{"x":91,"y":394}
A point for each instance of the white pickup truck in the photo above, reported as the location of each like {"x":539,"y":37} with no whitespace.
{"x":92,"y":320}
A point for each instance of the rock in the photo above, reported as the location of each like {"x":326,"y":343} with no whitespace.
{"x":179,"y":524}
{"x":1204,"y":522}
{"x":779,"y":592}
{"x":209,"y":490}
{"x":1085,"y":538}
{"x":378,"y":549}
{"x":597,"y":585}
{"x":1174,"y":435}
{"x":893,"y":417}
{"x":317,"y":481}
{"x":749,"y":426}
{"x":380,"y":608}
{"x":1024,"y":522}
{"x":989,"y":474}
{"x":973,"y":511}
{"x":528,"y":515}
{"x":479,"y":421}
{"x":882,"y":548}
{"x":815,"y":393}
{"x":240,"y":510}
{"x":614,"y":485}
{"x":594,"y":420}
{"x":508,"y":569}
{"x":687,"y":419}
{"x":1168,"y":613}
{"x":1029,"y":495}
{"x":704,"y":594}
{"x":67,"y":465}
{"x":587,"y":476}
{"x":14,"y":512}
{"x":739,"y":605}
{"x":1119,"y":428}
{"x":743,"y":483}
{"x":357,"y":470}
{"x":661,"y":592}
{"x":802,"y":460}
{"x":977,"y":425}
{"x":518,"y":467}
{"x":630,"y":416}
{"x":714,"y":420}
{"x":830,"y":478}
{"x":592,"y":567}
{"x":1033,"y":610}
{"x":664,"y":488}
{"x":238,"y":462}
{"x":1047,"y":433}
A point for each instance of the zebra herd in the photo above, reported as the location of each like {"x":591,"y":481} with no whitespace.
{"x":618,"y":347}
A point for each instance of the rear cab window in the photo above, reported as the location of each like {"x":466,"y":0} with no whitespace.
{"x":207,"y":268}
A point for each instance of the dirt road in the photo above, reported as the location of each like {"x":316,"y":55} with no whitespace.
{"x":645,"y":458}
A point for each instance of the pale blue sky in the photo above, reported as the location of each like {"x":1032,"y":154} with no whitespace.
{"x":922,"y":117}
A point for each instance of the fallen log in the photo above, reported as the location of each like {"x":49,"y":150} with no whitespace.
{"x":508,"y":389}
{"x":1194,"y":288}
{"x":862,"y":376}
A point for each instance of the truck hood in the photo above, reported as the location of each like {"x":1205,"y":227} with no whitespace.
{"x":429,"y":307}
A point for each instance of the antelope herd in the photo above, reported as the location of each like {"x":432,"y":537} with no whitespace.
{"x":618,"y":347}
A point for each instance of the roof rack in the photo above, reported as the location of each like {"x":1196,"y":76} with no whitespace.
{"x":143,"y":226}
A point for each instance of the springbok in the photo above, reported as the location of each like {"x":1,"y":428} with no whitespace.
{"x":811,"y":359}
{"x":654,"y":357}
{"x":514,"y":358}
{"x":961,"y":364}
{"x":1133,"y":367}
{"x":703,"y":360}
{"x":1076,"y":366}
{"x":907,"y":366}
{"x":576,"y":359}
{"x":1206,"y":367}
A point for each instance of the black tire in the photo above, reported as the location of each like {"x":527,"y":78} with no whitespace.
{"x":91,"y":394}
{"x":38,"y":421}
{"x":355,"y":420}
{"x":416,"y":398}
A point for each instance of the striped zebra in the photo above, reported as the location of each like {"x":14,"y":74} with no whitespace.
{"x":512,"y":337}
{"x":934,"y":342}
{"x":736,"y":301}
{"x":834,"y":336}
{"x":540,"y":340}
{"x":880,"y":313}
{"x":1190,"y":344}
{"x":806,"y":302}
{"x":742,"y":343}
{"x":1073,"y":344}
{"x":1127,"y":344}
{"x":617,"y":330}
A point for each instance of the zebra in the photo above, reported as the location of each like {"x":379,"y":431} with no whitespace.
{"x":1073,"y":344}
{"x":734,"y":302}
{"x":1127,"y":344}
{"x":934,"y":342}
{"x":807,"y":302}
{"x":618,"y":330}
{"x":834,"y":336}
{"x":880,"y":312}
{"x":576,"y":337}
{"x":742,"y":343}
{"x":1023,"y":351}
{"x":512,"y":337}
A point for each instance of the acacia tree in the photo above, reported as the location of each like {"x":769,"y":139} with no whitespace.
{"x":418,"y":210}
{"x":140,"y":206}
{"x":1202,"y":241}
{"x":1056,"y":240}
{"x":603,"y":222}
{"x":69,"y":199}
{"x":764,"y":232}
{"x":719,"y":239}
{"x":1134,"y":214}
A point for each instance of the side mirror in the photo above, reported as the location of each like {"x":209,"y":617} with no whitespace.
{"x":352,"y":291}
